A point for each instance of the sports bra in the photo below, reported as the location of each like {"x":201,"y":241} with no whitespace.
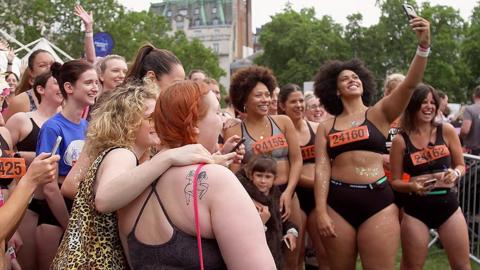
{"x":433,"y":158}
{"x":179,"y":252}
{"x":365,"y":137}
{"x":275,"y":145}
{"x":308,"y":150}
{"x":29,"y":143}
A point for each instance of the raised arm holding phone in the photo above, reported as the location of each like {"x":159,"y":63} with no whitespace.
{"x":354,"y":201}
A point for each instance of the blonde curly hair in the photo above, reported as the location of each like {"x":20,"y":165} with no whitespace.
{"x":117,"y":117}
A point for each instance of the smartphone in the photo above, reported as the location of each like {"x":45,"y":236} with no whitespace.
{"x":409,"y":11}
{"x":237,"y":145}
{"x":430,"y":182}
{"x":56,"y":145}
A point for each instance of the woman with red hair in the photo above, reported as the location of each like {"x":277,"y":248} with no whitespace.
{"x":159,"y":225}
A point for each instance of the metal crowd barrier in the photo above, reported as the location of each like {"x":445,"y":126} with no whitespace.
{"x":468,"y":188}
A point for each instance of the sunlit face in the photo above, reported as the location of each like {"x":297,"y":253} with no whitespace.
{"x":198,"y":77}
{"x":114,"y":74}
{"x":51,"y":92}
{"x":210,"y":125}
{"x":427,"y":109}
{"x":349,"y":84}
{"x":273,"y":109}
{"x":85,"y":89}
{"x":314,"y":111}
{"x":176,"y":74}
{"x":258,"y":101}
{"x":41,"y":63}
{"x":295,"y":105}
{"x":263,"y":181}
{"x":12,"y":81}
{"x":146,"y":136}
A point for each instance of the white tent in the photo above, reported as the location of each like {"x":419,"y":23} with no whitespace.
{"x":20,"y":64}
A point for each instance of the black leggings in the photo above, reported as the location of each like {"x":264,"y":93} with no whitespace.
{"x":432,"y":210}
{"x":357,"y":205}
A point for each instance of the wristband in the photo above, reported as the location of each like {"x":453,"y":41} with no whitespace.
{"x":422,"y":52}
{"x":88,"y":34}
{"x":293,"y":231}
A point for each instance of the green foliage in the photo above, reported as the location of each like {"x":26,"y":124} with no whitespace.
{"x":296,"y":43}
{"x":56,"y":21}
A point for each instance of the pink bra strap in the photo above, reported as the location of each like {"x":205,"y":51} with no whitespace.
{"x":195,"y":208}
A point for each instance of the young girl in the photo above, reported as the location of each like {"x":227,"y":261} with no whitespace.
{"x":258,"y":178}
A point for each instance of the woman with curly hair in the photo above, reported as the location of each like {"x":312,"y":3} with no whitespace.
{"x":275,"y":135}
{"x":354,"y":201}
{"x":118,"y":135}
{"x":159,"y":225}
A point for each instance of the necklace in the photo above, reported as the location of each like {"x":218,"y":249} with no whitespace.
{"x":355,"y":123}
{"x":263,"y":128}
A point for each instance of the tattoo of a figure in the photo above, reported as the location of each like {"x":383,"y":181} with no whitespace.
{"x":202,"y":186}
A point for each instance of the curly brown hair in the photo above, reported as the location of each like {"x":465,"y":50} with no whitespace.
{"x":243,"y":82}
{"x":325,"y":85}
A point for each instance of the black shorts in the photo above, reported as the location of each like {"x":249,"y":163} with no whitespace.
{"x":356,"y":205}
{"x":306,"y":197}
{"x":46,"y":215}
{"x":432,"y":210}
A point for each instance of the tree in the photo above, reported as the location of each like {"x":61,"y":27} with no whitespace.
{"x":55,"y":20}
{"x":471,"y":49}
{"x":296,"y":43}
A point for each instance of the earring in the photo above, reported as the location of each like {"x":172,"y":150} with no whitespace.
{"x":338,"y":93}
{"x":244,"y":109}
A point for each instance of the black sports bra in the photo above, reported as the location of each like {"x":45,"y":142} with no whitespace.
{"x":308,"y":150}
{"x":365,"y":137}
{"x":180,"y":252}
{"x":30,"y":142}
{"x":433,"y":158}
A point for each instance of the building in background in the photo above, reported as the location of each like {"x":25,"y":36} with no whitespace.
{"x":225,"y":26}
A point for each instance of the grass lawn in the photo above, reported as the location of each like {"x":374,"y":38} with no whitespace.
{"x":437,"y":260}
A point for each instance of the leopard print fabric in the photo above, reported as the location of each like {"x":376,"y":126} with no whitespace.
{"x":91,"y":240}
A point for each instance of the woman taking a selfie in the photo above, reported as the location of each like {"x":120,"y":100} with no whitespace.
{"x":354,"y":201}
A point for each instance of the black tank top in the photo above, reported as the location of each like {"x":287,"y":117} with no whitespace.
{"x":434,"y":158}
{"x":180,"y":252}
{"x":5,"y":182}
{"x":30,"y":142}
{"x":308,"y":150}
{"x":365,"y":137}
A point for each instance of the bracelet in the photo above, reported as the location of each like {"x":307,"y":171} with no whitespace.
{"x":88,"y":34}
{"x":423,"y":47}
{"x":293,"y":231}
{"x":457,"y":172}
{"x":422,"y":52}
{"x":9,"y":63}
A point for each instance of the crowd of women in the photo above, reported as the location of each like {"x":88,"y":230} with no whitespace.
{"x":150,"y":173}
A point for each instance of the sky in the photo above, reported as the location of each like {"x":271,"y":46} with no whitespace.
{"x":337,"y":9}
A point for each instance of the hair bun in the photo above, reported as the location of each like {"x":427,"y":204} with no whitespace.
{"x":55,"y":69}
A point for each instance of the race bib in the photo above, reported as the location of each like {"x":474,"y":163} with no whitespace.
{"x":270,"y":144}
{"x":308,"y":152}
{"x":429,"y":154}
{"x":12,"y":167}
{"x":348,"y":136}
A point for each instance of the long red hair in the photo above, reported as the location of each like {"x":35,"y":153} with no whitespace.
{"x":177,"y":111}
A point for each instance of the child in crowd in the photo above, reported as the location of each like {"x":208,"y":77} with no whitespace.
{"x":258,"y":177}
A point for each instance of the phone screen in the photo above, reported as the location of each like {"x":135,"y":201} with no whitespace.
{"x":55,"y":146}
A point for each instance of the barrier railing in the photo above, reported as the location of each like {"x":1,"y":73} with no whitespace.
{"x":468,"y":188}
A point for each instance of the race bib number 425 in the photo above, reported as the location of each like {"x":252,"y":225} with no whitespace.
{"x":348,"y":136}
{"x":12,"y":167}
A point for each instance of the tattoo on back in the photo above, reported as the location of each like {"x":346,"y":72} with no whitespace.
{"x":202,"y":186}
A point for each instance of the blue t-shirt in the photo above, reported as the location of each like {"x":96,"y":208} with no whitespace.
{"x":73,"y":139}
